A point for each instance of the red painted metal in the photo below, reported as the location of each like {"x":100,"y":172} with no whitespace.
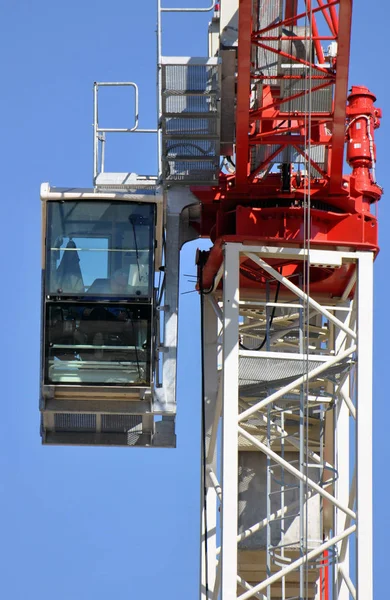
{"x":258,"y":203}
{"x":291,"y":57}
{"x":292,"y":20}
{"x":280,"y":101}
{"x":314,"y":37}
{"x":243,"y":90}
{"x":324,"y":577}
{"x":340,"y":95}
{"x":291,"y":8}
{"x":363,"y":119}
{"x":327,"y":18}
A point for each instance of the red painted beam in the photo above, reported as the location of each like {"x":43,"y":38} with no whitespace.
{"x":327,"y":17}
{"x":295,"y":38}
{"x":254,"y":114}
{"x":287,"y":77}
{"x":291,"y":57}
{"x":292,"y":20}
{"x":268,"y":160}
{"x":314,"y":31}
{"x":340,"y":97}
{"x":312,"y":162}
{"x":333,"y":14}
{"x":282,"y":139}
{"x":259,"y":136}
{"x":290,"y":9}
{"x":243,"y":91}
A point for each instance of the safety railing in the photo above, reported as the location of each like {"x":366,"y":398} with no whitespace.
{"x":99,"y":133}
{"x":160,"y":10}
{"x":206,"y":9}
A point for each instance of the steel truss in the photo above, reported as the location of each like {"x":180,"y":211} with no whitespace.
{"x":287,"y":402}
{"x":269,"y":30}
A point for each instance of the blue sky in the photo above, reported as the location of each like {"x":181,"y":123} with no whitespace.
{"x":102,"y":523}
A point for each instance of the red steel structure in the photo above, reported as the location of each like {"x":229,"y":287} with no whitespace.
{"x":302,"y":117}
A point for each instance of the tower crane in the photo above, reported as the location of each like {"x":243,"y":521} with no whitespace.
{"x":251,"y":144}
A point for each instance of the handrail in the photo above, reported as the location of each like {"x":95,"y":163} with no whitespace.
{"x":103,"y":130}
{"x":208,"y":9}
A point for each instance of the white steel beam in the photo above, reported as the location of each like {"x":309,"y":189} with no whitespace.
{"x":229,"y":424}
{"x":297,"y":563}
{"x":298,"y":474}
{"x":298,"y":292}
{"x":343,"y":410}
{"x":345,"y":325}
{"x":364,"y":566}
{"x":350,"y":587}
{"x":209,"y":512}
{"x":296,"y":383}
{"x":261,"y":524}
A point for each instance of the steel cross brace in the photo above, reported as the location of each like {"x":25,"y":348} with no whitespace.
{"x":351,"y":324}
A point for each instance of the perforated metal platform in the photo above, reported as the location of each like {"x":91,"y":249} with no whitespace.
{"x":190,"y":120}
{"x":258,"y":372}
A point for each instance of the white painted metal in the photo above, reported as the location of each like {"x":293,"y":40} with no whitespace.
{"x":209,"y":480}
{"x":343,"y":411}
{"x":99,"y":132}
{"x":364,"y":566}
{"x":298,"y":474}
{"x":313,"y":554}
{"x":229,"y":23}
{"x":297,"y":382}
{"x":296,"y":290}
{"x":176,"y":201}
{"x":229,"y":466}
{"x":261,"y":422}
{"x":187,"y":10}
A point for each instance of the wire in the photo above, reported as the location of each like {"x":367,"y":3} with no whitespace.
{"x":306,"y":286}
{"x":269,"y":324}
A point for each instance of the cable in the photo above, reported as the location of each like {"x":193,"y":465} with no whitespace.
{"x":269,"y":324}
{"x":306,"y":285}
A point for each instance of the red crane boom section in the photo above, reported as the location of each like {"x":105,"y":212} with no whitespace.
{"x":293,"y":119}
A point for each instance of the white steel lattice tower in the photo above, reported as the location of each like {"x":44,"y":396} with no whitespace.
{"x":285,"y":506}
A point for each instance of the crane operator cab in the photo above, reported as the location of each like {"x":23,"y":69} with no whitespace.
{"x":97,"y":359}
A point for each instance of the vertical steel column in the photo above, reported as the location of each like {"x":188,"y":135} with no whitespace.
{"x":303,"y":347}
{"x":229,"y":423}
{"x":364,"y":427}
{"x":341,"y":92}
{"x":164,"y":398}
{"x":209,"y":513}
{"x":342,"y":441}
{"x":243,"y":91}
{"x":268,"y":463}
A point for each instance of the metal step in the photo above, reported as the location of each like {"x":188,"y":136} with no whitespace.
{"x":190,"y":121}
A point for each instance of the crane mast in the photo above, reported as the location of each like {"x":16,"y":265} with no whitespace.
{"x":251,"y":145}
{"x":287,"y":310}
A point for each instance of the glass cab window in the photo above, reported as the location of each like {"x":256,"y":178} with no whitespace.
{"x":99,"y":249}
{"x":98,"y":293}
{"x":97,"y":343}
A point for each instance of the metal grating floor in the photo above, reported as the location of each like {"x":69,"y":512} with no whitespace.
{"x":190,"y":120}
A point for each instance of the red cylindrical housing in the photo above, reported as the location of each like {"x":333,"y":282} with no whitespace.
{"x":361,"y":147}
{"x":362,"y":115}
{"x":361,"y":101}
